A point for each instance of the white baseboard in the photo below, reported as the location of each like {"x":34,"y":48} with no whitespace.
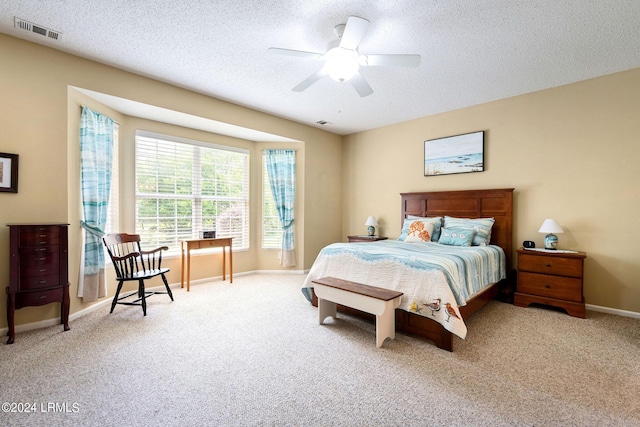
{"x":618,"y":312}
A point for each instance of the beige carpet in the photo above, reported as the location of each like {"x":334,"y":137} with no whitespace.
{"x":252,"y":353}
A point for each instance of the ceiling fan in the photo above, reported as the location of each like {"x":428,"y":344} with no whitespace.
{"x":342,"y":59}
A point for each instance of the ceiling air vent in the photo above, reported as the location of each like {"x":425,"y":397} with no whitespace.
{"x":323,"y":122}
{"x":38,"y":29}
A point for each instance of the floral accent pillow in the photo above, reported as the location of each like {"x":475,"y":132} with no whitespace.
{"x":456,"y":236}
{"x":436,"y":221}
{"x":419,"y":231}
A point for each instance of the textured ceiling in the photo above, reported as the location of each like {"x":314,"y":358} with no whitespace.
{"x":472,"y":51}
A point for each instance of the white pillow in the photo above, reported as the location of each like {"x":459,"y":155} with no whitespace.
{"x":436,"y":221}
{"x":419,"y":231}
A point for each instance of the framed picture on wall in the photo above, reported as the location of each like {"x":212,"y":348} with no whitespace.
{"x":454,"y":154}
{"x":8,"y":173}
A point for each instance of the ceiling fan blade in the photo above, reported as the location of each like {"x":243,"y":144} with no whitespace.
{"x":353,"y":32}
{"x":310,"y":80}
{"x":360,"y":84}
{"x":390,"y":60}
{"x":297,"y":53}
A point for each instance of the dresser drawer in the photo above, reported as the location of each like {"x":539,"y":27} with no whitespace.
{"x":566,"y":288}
{"x":37,"y":282}
{"x":550,"y":265}
{"x":36,"y":236}
{"x":39,"y":261}
{"x":206,"y":243}
{"x":28,"y":299}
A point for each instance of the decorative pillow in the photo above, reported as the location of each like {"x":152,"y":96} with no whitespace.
{"x":482,"y":227}
{"x":456,"y":236}
{"x":436,"y":221}
{"x":419,"y":231}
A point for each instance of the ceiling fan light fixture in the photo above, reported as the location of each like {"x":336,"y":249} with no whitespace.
{"x":341,"y":64}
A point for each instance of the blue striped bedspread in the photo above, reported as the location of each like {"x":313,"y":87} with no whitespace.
{"x":429,"y":274}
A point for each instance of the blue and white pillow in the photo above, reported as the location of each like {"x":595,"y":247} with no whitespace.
{"x":456,"y":236}
{"x":481,"y":226}
{"x":436,"y":221}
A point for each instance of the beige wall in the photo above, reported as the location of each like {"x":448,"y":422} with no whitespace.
{"x":571,"y":153}
{"x":39,"y":119}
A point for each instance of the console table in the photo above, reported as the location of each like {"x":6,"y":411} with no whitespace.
{"x":185,"y":256}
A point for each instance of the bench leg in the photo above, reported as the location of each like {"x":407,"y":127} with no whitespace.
{"x":326,"y":309}
{"x":385,"y":324}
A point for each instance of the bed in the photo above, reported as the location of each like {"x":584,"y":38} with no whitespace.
{"x":429,"y":315}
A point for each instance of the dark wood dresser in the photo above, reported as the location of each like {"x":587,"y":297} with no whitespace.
{"x":38,"y":272}
{"x":549,"y":278}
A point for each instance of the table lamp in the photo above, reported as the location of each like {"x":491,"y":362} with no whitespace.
{"x":550,"y":226}
{"x":371,"y":222}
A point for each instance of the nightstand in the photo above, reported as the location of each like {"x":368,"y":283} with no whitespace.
{"x":365,"y":238}
{"x":549,"y":278}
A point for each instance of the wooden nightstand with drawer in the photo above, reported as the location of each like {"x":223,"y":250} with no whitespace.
{"x":365,"y":238}
{"x":554,"y":279}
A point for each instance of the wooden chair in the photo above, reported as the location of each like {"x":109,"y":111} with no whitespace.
{"x":133,"y":264}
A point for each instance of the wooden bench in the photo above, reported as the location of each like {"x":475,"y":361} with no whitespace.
{"x":378,"y":301}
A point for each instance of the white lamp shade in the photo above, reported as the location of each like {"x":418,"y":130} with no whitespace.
{"x":550,"y":226}
{"x":371,"y":221}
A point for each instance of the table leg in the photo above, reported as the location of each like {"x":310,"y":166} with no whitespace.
{"x":230,"y":264}
{"x":64,"y":309}
{"x":182,"y":265}
{"x":188,"y":267}
{"x":224,"y":263}
{"x":11,"y":308}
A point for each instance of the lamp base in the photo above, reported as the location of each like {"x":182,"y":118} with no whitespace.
{"x":371,"y":231}
{"x":551,"y":241}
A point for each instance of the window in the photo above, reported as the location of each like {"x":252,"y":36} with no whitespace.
{"x":184,"y":187}
{"x":271,"y":228}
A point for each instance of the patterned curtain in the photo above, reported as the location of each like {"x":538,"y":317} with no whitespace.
{"x":96,"y":156}
{"x":281,"y":167}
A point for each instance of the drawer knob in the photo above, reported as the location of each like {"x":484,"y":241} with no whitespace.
{"x":548,"y":286}
{"x":548,"y":264}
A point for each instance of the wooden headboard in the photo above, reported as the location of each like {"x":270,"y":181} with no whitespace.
{"x":495,"y":203}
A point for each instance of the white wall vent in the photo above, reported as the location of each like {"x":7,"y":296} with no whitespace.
{"x":38,"y":29}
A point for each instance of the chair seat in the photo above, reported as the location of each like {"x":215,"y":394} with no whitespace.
{"x":146,"y":274}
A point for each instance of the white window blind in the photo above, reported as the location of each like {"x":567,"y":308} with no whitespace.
{"x":184,"y":187}
{"x":271,"y":228}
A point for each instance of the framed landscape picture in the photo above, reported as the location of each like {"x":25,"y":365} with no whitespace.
{"x":454,"y":154}
{"x":8,"y":173}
